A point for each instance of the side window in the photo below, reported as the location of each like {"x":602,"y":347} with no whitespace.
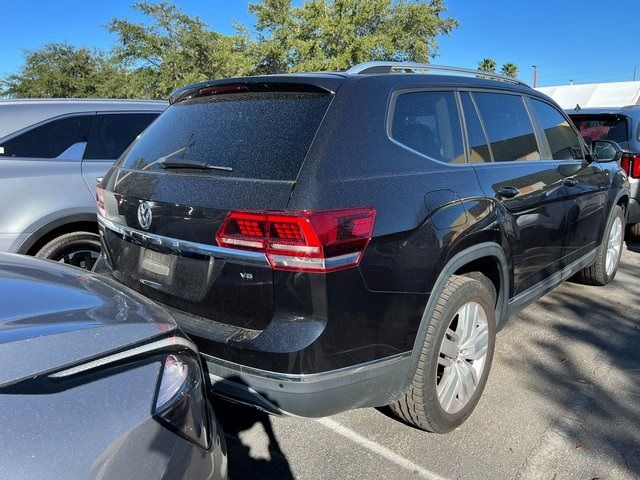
{"x":113,"y":133}
{"x":52,"y":139}
{"x":563,"y":140}
{"x":478,"y":149}
{"x":508,"y":127}
{"x":429,"y":123}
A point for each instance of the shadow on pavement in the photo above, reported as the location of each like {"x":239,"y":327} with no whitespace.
{"x":236,"y":419}
{"x":586,"y":359}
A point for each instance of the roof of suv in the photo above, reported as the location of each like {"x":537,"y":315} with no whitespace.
{"x":82,"y":101}
{"x":403,"y":72}
{"x":16,"y":114}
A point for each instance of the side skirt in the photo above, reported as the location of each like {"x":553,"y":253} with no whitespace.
{"x":532,"y":294}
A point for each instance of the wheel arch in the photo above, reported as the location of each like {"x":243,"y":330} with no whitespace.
{"x":623,"y":201}
{"x":54,"y":228}
{"x":480,"y":256}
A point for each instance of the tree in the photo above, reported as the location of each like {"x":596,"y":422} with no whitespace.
{"x":337,"y":34}
{"x":487,"y":65}
{"x":172,"y":49}
{"x":510,"y":69}
{"x":57,"y":70}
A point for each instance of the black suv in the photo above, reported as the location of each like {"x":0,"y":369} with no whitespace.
{"x":341,"y":240}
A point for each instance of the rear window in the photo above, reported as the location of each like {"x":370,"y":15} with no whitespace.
{"x":256,"y":135}
{"x":602,"y":127}
{"x":51,"y":139}
{"x":429,"y":123}
{"x":112,"y":133}
{"x":508,"y":126}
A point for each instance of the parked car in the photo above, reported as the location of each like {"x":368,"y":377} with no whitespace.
{"x":51,"y":153}
{"x":341,"y":240}
{"x":97,"y":382}
{"x":621,"y":125}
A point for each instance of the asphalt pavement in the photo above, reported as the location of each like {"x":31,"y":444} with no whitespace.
{"x":562,"y":402}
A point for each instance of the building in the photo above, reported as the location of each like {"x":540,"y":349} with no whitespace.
{"x":591,"y":95}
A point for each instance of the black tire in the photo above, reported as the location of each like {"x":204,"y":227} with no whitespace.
{"x":596,"y":274}
{"x":420,"y":405}
{"x":633,"y":231}
{"x":80,"y":249}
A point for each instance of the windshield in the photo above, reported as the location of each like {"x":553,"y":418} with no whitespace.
{"x":247,"y":135}
{"x":602,"y":127}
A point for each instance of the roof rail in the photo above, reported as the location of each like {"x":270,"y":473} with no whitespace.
{"x":411,"y":67}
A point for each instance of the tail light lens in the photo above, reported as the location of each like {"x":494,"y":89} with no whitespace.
{"x":100,"y":201}
{"x":180,"y":402}
{"x":322,"y":241}
{"x":631,"y":165}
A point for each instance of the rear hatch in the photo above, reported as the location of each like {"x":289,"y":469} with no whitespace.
{"x":237,"y":146}
{"x":603,"y":126}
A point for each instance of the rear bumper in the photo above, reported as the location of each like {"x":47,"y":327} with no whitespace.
{"x":371,"y":384}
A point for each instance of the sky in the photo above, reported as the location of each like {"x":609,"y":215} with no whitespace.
{"x":568,"y":40}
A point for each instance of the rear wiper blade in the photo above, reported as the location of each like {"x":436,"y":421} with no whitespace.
{"x":193,"y":164}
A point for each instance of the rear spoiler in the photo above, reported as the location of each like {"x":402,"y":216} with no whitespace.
{"x":271,"y":83}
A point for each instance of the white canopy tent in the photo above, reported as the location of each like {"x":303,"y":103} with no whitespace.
{"x":618,"y":94}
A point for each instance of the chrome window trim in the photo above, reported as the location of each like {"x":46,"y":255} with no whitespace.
{"x":183,"y":246}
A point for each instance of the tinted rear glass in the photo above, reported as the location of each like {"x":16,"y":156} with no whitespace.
{"x":112,"y":133}
{"x":508,"y":126}
{"x":257,"y":135}
{"x":602,"y":127}
{"x":49,"y":140}
{"x":429,"y":123}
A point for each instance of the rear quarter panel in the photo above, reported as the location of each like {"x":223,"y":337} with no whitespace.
{"x":35,"y":193}
{"x":426,"y":210}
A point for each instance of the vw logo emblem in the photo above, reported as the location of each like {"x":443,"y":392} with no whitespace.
{"x":145,"y":215}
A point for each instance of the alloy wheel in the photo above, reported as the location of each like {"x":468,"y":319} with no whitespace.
{"x":614,"y":246}
{"x":462,"y":357}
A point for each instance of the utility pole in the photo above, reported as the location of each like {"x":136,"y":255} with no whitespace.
{"x":535,"y":76}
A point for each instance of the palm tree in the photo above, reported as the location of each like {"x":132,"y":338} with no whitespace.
{"x":487,"y":65}
{"x":510,"y":70}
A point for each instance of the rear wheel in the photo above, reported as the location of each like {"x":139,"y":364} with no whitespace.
{"x":456,"y":357}
{"x":604,"y":269}
{"x":80,"y":249}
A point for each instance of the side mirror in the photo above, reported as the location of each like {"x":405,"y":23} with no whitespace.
{"x":605,"y":151}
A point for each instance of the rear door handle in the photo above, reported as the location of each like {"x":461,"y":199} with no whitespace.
{"x":570,"y":182}
{"x":508,"y":192}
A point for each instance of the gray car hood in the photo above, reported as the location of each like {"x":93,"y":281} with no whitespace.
{"x":53,"y":316}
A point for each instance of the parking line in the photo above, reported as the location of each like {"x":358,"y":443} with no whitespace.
{"x":379,"y":449}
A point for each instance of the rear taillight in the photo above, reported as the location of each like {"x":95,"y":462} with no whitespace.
{"x":307,"y":241}
{"x":100,"y":201}
{"x":631,"y":165}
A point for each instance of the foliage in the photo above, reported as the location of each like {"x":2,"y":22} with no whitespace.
{"x":175,"y":49}
{"x":58,"y":70}
{"x":510,"y":69}
{"x":170,"y":48}
{"x":334,"y":35}
{"x":487,"y":65}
